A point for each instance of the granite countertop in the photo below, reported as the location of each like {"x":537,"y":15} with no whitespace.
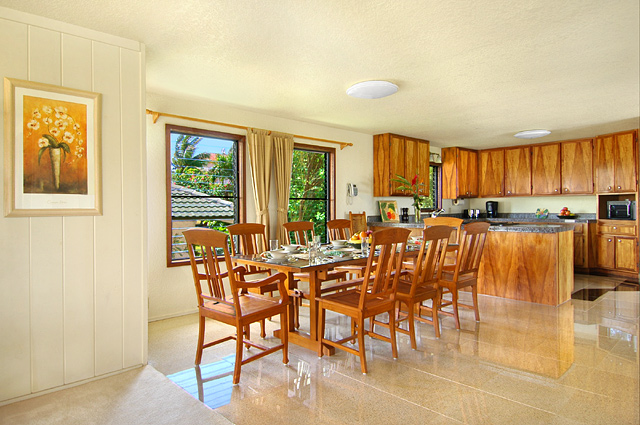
{"x":525,"y":223}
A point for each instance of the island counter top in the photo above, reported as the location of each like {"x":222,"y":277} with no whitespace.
{"x":497,"y":225}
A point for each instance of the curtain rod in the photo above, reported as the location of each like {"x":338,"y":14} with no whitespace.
{"x":155,"y":115}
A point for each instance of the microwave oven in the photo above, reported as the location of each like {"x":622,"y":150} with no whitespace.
{"x":621,"y":210}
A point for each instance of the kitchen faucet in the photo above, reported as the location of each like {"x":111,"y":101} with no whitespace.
{"x":435,"y":213}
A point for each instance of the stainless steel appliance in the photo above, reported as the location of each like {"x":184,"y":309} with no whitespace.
{"x":492,"y":209}
{"x":621,"y":210}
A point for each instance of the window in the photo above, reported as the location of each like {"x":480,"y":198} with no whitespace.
{"x":434,"y":200}
{"x":205,"y":174}
{"x":312,"y":191}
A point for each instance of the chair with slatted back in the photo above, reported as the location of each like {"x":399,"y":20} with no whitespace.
{"x":421,"y":283}
{"x":464,"y":273}
{"x":251,"y":239}
{"x":340,"y":228}
{"x":209,"y":254}
{"x":358,"y":222}
{"x":446,"y":221}
{"x":303,"y":233}
{"x":375,"y":294}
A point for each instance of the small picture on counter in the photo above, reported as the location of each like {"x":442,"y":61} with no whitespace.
{"x":542,"y":213}
{"x":389,"y":211}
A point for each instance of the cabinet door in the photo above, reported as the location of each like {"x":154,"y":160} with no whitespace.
{"x":517,"y":171}
{"x":449,"y":173}
{"x":577,"y":166}
{"x":468,"y":173}
{"x":604,"y":167}
{"x":396,"y":163}
{"x":606,"y":252}
{"x":580,"y":245}
{"x":491,"y":173}
{"x":424,"y":170}
{"x":545,"y":169}
{"x":626,"y":254}
{"x":625,"y":162}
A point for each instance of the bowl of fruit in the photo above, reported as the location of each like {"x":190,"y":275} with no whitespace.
{"x":356,"y":240}
{"x":566,"y":213}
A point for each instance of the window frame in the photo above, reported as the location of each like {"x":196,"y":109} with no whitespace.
{"x":331,"y":174}
{"x":241,"y":179}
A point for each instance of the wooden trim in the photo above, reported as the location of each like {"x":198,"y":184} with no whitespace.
{"x":155,"y":115}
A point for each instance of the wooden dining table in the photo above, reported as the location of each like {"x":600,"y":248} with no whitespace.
{"x":291,"y":265}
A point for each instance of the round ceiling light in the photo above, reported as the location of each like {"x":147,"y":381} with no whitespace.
{"x":532,"y":134}
{"x":372,"y":89}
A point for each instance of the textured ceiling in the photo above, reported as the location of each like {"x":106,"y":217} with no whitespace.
{"x":470,"y":73}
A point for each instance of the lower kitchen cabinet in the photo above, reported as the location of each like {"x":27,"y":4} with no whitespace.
{"x":617,"y":247}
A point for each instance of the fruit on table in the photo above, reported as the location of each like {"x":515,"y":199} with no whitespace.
{"x":565,"y":212}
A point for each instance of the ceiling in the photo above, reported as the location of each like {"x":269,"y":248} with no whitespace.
{"x":470,"y":73}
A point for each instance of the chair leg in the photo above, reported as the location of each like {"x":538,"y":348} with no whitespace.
{"x":284,"y":338}
{"x":435,"y":304}
{"x":238,"y":363}
{"x":321,"y":314}
{"x":474,"y":294}
{"x":361,"y":350}
{"x":297,"y":302}
{"x":454,"y":300}
{"x":412,"y":325}
{"x":247,"y":335}
{"x":263,"y":332}
{"x":200,"y":340}
{"x":392,"y":334}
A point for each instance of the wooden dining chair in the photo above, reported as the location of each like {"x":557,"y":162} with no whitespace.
{"x":239,"y":309}
{"x":251,"y":239}
{"x":446,"y":221}
{"x":303,"y":233}
{"x":339,"y":228}
{"x":358,"y":222}
{"x":375,"y":294}
{"x":421,"y":283}
{"x":464,"y":273}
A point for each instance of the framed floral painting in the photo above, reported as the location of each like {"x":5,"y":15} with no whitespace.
{"x":389,"y":211}
{"x":51,"y":150}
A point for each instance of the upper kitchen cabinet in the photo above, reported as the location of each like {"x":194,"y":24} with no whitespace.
{"x":615,"y":162}
{"x":459,"y":173}
{"x":545,"y":169}
{"x":491,"y":173}
{"x":577,"y":166}
{"x":395,"y":155}
{"x":517,"y":170}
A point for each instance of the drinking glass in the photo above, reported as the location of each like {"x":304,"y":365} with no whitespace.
{"x":273,"y":244}
{"x":365,"y":247}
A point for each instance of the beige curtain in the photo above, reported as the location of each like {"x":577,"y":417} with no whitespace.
{"x":283,"y":157}
{"x":259,"y":144}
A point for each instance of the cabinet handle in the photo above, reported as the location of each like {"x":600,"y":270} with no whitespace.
{"x":556,"y":190}
{"x":566,"y":189}
{"x":609,"y":187}
{"x":508,"y":191}
{"x":499,"y":192}
{"x":609,"y":240}
{"x":618,"y":187}
{"x":615,"y":228}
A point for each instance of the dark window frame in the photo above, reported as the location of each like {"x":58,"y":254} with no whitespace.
{"x":241,"y":179}
{"x":330,"y":172}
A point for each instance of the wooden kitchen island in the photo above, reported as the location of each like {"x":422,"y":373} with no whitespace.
{"x":528,"y":262}
{"x":525,"y":262}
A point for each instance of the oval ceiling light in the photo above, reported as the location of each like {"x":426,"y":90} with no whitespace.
{"x":532,"y":134}
{"x":372,"y":89}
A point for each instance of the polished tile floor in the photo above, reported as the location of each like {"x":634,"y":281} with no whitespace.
{"x":522,"y":364}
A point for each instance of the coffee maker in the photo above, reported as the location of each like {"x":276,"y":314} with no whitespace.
{"x":492,"y":209}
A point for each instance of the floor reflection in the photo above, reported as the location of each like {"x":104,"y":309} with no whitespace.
{"x":212,"y":383}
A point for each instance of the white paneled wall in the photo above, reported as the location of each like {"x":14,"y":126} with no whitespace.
{"x":73,"y":289}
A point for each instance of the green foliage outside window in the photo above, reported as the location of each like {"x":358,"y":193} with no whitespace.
{"x":308,"y":199}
